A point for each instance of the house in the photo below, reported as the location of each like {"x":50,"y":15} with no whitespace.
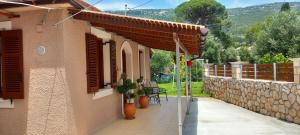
{"x":58,"y":74}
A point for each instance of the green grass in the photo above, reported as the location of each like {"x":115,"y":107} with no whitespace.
{"x":197,"y":88}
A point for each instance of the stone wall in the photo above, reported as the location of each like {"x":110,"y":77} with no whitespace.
{"x":276,"y":99}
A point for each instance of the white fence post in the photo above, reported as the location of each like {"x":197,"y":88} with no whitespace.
{"x":255,"y":73}
{"x":224,"y":70}
{"x":241,"y":67}
{"x":274,"y":71}
{"x":216,"y":68}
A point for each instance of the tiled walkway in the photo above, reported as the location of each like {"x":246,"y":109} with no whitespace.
{"x":155,"y":120}
{"x":214,"y":117}
{"x":207,"y":117}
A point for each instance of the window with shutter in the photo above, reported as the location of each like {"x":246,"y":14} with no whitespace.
{"x":113,"y":63}
{"x":101,"y":65}
{"x":92,"y":63}
{"x":12,"y":64}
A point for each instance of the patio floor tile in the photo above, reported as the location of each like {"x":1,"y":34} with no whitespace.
{"x":155,"y":120}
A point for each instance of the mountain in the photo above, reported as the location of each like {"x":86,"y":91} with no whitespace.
{"x":241,"y":18}
{"x":160,"y":14}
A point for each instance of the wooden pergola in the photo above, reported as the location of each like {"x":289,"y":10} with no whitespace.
{"x":177,"y":37}
{"x":151,"y":33}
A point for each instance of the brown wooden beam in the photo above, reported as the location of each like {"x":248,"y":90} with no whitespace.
{"x":148,"y":32}
{"x":168,"y":36}
{"x":154,"y":40}
{"x":9,"y":14}
{"x":150,"y":36}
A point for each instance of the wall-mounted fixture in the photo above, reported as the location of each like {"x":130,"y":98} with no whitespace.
{"x":41,"y":50}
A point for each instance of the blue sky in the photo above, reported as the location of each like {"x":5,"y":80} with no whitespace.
{"x":119,"y":4}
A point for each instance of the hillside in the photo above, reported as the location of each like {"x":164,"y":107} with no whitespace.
{"x":160,"y":14}
{"x":241,"y":18}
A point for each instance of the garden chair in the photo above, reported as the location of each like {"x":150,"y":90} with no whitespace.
{"x":154,"y":95}
{"x":158,"y":90}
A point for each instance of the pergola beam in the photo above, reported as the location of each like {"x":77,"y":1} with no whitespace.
{"x":148,"y":32}
{"x":140,"y":35}
{"x":9,"y":14}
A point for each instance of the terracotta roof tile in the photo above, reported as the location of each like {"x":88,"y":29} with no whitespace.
{"x":149,"y":32}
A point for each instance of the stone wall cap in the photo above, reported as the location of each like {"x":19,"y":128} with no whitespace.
{"x":209,"y":64}
{"x":295,"y":59}
{"x":222,"y":77}
{"x":283,"y":82}
{"x":238,"y":62}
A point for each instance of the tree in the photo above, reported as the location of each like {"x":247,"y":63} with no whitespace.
{"x":209,"y":13}
{"x":285,"y":7}
{"x":281,"y":34}
{"x":160,"y":62}
{"x":225,"y":39}
{"x":268,"y":59}
{"x":252,"y":32}
{"x":212,"y":50}
{"x":246,"y":54}
{"x":197,"y":70}
{"x":182,"y":64}
{"x":205,"y":12}
{"x":230,"y":55}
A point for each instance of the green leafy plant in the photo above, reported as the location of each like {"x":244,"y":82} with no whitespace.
{"x":140,"y":80}
{"x":142,"y":91}
{"x":131,"y":95}
{"x":281,"y":34}
{"x":278,"y":58}
{"x":127,"y":87}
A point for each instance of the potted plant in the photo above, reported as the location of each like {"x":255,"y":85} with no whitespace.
{"x":127,"y":88}
{"x":143,"y":93}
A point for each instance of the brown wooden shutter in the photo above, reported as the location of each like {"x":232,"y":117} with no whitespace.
{"x":92,"y":63}
{"x":113,"y":62}
{"x":101,"y":64}
{"x":12,"y":58}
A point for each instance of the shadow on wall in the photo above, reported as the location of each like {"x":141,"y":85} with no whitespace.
{"x":190,"y":123}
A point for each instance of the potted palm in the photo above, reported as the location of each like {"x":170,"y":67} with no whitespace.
{"x":127,"y":88}
{"x":143,"y":93}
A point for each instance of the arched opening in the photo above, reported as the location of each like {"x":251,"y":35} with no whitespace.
{"x":126,"y":65}
{"x":126,"y":60}
{"x":142,"y":67}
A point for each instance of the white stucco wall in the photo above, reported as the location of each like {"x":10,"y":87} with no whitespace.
{"x":56,"y":99}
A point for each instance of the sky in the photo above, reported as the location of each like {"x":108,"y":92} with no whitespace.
{"x":158,"y":4}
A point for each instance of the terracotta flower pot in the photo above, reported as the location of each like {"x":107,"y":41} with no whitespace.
{"x":129,"y":111}
{"x":144,"y":101}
